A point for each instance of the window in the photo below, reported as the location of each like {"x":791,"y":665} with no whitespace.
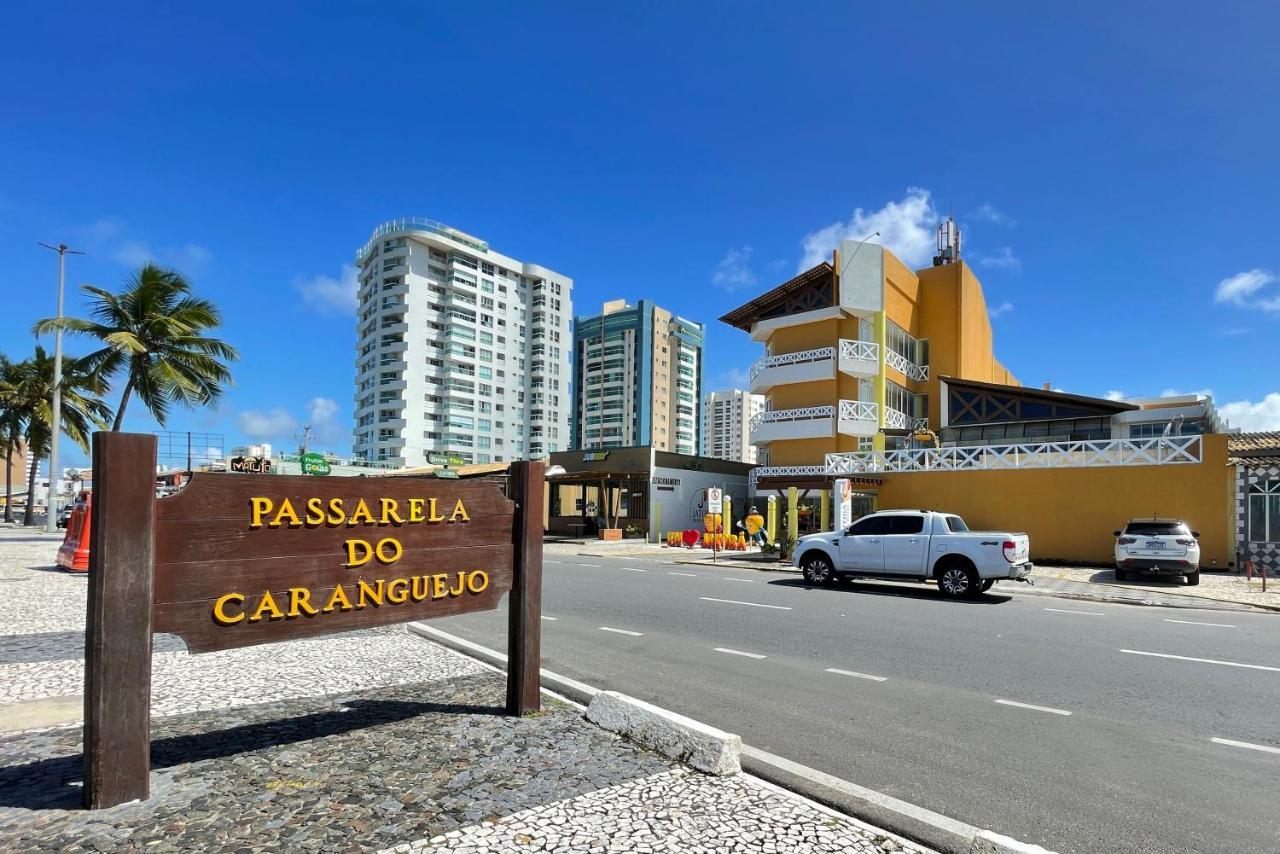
{"x":1264,"y":512}
{"x":872,"y":525}
{"x":906,"y":524}
{"x":956,"y":525}
{"x":1157,"y":529}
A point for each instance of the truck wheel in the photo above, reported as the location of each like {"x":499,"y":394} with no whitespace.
{"x":988,"y":584}
{"x":957,"y":580}
{"x":1193,"y":578}
{"x":817,"y":569}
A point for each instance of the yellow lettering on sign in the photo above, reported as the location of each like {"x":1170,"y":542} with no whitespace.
{"x":315,"y":512}
{"x":268,"y":603}
{"x":258,"y":507}
{"x":461,"y":585}
{"x":361,"y":515}
{"x":483,"y":577}
{"x":389,"y":512}
{"x":286,"y":511}
{"x":459,"y":510}
{"x":389,"y":554}
{"x":415,"y":510}
{"x":220,"y":614}
{"x":300,"y":600}
{"x":438,"y":589}
{"x":369,"y":593}
{"x":352,"y":547}
{"x":338,"y":595}
{"x":431,"y":511}
{"x":398,"y":591}
{"x":421,"y":588}
{"x":336,"y":514}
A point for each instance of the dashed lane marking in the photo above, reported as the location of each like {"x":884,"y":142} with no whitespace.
{"x":1197,"y":623}
{"x":1229,"y":742}
{"x":857,"y":675}
{"x":1068,"y":611}
{"x":752,"y":604}
{"x":626,"y":632}
{"x":1018,"y":705}
{"x":739,"y":652}
{"x":1202,"y":660}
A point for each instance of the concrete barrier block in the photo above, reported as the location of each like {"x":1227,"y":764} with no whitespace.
{"x":697,"y":745}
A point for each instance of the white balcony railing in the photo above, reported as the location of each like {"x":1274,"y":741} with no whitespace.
{"x":895,"y":420}
{"x":808,"y":413}
{"x":859,"y":410}
{"x":910,"y":369}
{"x":867,"y":351}
{"x":1033,"y":455}
{"x":821,"y":354}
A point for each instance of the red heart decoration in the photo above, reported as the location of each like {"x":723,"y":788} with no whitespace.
{"x":691,"y":537}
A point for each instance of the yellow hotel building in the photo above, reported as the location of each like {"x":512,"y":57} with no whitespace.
{"x":888,"y":377}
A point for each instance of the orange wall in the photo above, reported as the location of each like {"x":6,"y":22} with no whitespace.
{"x":1070,"y":513}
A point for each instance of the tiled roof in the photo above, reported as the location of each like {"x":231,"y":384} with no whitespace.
{"x":743,"y":316}
{"x":1254,"y":449}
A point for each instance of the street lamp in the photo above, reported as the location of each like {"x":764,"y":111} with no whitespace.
{"x":51,"y":505}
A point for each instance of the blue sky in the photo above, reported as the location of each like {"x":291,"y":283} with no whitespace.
{"x":1113,"y":166}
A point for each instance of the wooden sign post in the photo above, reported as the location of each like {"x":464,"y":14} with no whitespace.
{"x":240,"y":559}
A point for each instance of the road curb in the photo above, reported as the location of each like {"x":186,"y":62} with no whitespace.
{"x":698,"y":745}
{"x":899,"y":818}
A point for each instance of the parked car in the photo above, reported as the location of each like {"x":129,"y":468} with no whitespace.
{"x":916,"y":545}
{"x":1157,"y":547}
{"x":65,"y":516}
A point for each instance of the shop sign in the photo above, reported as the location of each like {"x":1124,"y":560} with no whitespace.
{"x":236,"y":560}
{"x":445,"y":460}
{"x":595,"y":456}
{"x":313,"y":463}
{"x":250,"y":465}
{"x":665,"y":484}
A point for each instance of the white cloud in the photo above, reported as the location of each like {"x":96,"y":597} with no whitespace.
{"x":328,"y":295}
{"x":1243,"y":289}
{"x":1251,"y":417}
{"x":1115,"y":394}
{"x":1173,"y":392}
{"x":734,"y":270}
{"x":1002,"y":259}
{"x":213,"y":453}
{"x":321,"y":415}
{"x":735,"y":378}
{"x":906,"y":228}
{"x":1000,"y":310}
{"x":275,"y":424}
{"x":986,"y":212}
{"x":189,"y":258}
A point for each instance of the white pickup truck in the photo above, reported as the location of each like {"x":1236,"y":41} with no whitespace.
{"x":916,"y":545}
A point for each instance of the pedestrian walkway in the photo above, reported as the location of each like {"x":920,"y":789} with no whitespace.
{"x":376,"y":740}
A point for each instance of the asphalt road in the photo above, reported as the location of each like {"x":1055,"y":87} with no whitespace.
{"x":1082,"y":727}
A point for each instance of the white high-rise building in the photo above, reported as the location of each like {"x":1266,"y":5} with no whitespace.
{"x":726,"y":424}
{"x":460,"y":350}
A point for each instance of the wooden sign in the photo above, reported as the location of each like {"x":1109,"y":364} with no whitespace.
{"x":235,"y":560}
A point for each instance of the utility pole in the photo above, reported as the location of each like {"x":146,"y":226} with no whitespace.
{"x":51,"y":504}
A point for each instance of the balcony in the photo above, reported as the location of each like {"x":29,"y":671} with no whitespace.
{"x":1178,"y":450}
{"x":855,"y":358}
{"x":908,"y":368}
{"x":848,"y":417}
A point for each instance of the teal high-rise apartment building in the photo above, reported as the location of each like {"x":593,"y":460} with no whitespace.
{"x":637,"y":379}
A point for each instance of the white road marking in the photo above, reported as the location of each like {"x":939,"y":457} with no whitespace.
{"x":1065,"y":611}
{"x":633,"y":569}
{"x":1194,"y":623}
{"x":739,"y":652}
{"x":752,"y":604}
{"x":622,"y":632}
{"x":731,"y":578}
{"x":553,"y":619}
{"x":593,"y":565}
{"x":685,"y":574}
{"x":858,"y":675}
{"x":1202,"y":660}
{"x":1033,"y":708}
{"x":1265,"y":748}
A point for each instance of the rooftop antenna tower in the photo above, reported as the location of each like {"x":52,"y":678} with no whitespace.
{"x":948,"y":243}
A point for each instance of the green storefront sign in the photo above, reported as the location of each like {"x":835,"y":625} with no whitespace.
{"x":313,"y":463}
{"x":445,"y":460}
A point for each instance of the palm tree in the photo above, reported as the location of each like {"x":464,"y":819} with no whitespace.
{"x":82,"y":410}
{"x":13,"y":418}
{"x":153,"y":332}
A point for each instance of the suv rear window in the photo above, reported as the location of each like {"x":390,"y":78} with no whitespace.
{"x":1157,"y":529}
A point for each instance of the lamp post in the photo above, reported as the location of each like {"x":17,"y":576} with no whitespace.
{"x":51,"y":504}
